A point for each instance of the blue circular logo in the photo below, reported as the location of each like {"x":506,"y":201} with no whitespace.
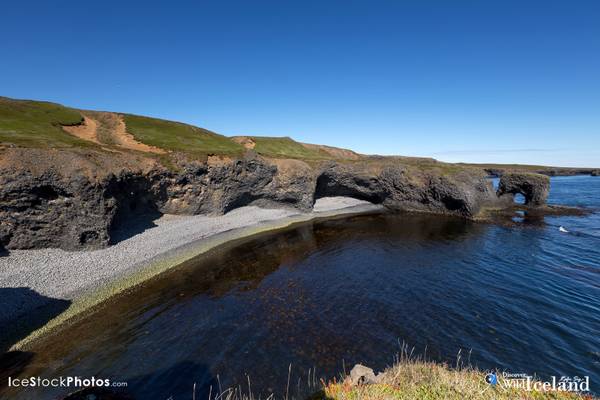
{"x":491,"y":378}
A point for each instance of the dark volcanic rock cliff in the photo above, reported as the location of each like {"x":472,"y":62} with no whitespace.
{"x":49,"y":210}
{"x":533,"y":187}
{"x":73,"y":201}
{"x":72,"y":210}
{"x":400,"y":188}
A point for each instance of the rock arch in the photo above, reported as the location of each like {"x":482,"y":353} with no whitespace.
{"x":342,"y":180}
{"x":534,"y":187}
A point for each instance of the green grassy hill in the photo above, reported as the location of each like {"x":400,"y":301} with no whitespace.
{"x":284,"y":147}
{"x":37,"y":124}
{"x":27,"y":123}
{"x":176,"y":136}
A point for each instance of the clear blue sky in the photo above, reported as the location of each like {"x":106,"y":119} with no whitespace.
{"x":477,"y":81}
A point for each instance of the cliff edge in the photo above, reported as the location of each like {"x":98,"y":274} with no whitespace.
{"x":70,"y":178}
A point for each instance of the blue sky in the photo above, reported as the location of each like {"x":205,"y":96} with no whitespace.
{"x":475,"y":81}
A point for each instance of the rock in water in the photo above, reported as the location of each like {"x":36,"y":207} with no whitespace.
{"x":534,"y":187}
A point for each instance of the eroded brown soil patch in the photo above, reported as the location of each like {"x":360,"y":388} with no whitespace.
{"x":106,"y":128}
{"x":85,"y":131}
{"x":245,"y":141}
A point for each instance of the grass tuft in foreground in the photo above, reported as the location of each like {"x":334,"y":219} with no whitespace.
{"x":416,"y":379}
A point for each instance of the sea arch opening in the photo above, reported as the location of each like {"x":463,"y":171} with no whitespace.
{"x":361,"y":188}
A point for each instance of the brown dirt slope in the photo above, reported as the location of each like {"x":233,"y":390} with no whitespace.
{"x":245,"y":141}
{"x":106,"y":128}
{"x":86,"y":131}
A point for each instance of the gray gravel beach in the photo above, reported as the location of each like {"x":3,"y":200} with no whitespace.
{"x":59,"y":274}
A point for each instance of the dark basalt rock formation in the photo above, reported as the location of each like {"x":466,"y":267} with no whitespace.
{"x":534,"y":187}
{"x":401,"y":189}
{"x":75,"y":201}
{"x":50,"y":210}
{"x":595,"y":172}
{"x":349,"y":180}
{"x":78,"y":211}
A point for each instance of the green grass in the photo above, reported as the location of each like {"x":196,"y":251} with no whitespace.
{"x":285,"y":147}
{"x":528,"y":168}
{"x":508,"y":166}
{"x":38,"y":124}
{"x":27,"y":123}
{"x":176,"y":136}
{"x":415,"y":379}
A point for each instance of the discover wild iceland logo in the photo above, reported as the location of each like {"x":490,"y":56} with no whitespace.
{"x":507,"y":380}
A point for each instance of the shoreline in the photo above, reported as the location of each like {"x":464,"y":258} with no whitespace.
{"x":56,"y":276}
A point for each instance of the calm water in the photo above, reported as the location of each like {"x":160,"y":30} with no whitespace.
{"x":325,"y":295}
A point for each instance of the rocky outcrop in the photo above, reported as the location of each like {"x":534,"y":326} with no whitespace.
{"x":400,"y":188}
{"x":51,"y":209}
{"x":220,"y":186}
{"x":534,"y":187}
{"x":85,"y":201}
{"x":595,"y":172}
{"x":349,"y":180}
{"x":361,"y":375}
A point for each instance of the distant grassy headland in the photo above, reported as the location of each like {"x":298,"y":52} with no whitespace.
{"x":499,"y":169}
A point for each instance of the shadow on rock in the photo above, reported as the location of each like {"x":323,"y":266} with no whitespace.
{"x":125,"y":228}
{"x":22,"y":311}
